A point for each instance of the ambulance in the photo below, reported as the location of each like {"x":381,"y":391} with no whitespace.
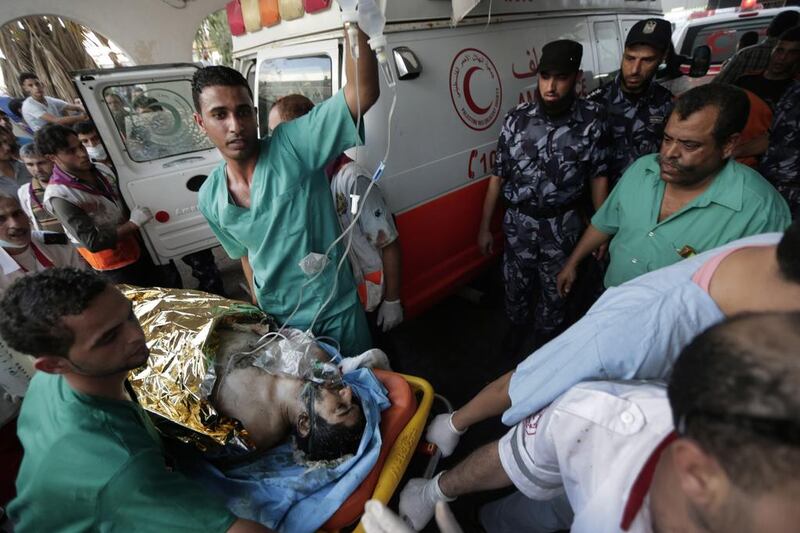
{"x":454,"y":84}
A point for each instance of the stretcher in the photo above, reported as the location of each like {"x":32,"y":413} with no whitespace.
{"x":401,"y":428}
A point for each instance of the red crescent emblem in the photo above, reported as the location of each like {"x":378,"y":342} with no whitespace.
{"x":468,"y":93}
{"x":465,"y":65}
{"x":712,"y":41}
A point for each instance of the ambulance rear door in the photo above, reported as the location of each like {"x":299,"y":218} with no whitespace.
{"x":161,"y":157}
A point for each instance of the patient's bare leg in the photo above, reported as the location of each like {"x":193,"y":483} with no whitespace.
{"x":481,"y":470}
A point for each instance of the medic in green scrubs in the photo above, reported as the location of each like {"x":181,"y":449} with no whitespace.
{"x":269,"y":202}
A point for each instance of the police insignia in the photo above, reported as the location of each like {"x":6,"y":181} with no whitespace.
{"x":649,"y":27}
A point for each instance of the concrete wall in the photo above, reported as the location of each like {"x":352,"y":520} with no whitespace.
{"x":149,"y":31}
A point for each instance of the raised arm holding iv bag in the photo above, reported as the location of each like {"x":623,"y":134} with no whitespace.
{"x":350,"y":19}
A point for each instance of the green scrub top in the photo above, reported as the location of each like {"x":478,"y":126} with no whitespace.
{"x":96,"y":464}
{"x":291,"y":214}
{"x":738,"y":203}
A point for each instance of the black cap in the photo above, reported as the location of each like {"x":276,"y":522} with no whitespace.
{"x":561,"y":56}
{"x":653,"y":32}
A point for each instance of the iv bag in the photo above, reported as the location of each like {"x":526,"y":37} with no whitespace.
{"x":370,"y":18}
{"x":348,"y":5}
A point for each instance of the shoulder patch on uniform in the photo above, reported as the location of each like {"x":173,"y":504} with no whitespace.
{"x":597,"y":93}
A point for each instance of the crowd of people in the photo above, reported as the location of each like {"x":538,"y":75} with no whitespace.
{"x":667,"y":403}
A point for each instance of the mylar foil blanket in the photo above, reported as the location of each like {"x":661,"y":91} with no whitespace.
{"x":179,"y":376}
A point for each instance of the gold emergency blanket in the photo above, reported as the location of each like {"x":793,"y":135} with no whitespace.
{"x":179,"y":376}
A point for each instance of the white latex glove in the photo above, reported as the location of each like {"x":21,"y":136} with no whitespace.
{"x":141,"y":216}
{"x":444,"y":434}
{"x":418,"y":499}
{"x":373,"y":358}
{"x":380,"y":519}
{"x":390,"y":314}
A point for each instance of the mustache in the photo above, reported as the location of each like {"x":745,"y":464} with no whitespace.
{"x":673,"y":163}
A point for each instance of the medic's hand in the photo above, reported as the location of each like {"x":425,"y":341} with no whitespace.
{"x":141,"y":216}
{"x":390,"y":314}
{"x":485,"y":242}
{"x":565,"y":279}
{"x":444,"y":434}
{"x":418,"y":499}
{"x":373,"y":358}
{"x":380,"y":519}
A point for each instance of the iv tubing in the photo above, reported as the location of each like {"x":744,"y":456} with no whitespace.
{"x":347,"y":231}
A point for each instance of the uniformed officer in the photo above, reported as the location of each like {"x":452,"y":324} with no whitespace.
{"x":781,"y":163}
{"x":548,"y":150}
{"x":637,"y":106}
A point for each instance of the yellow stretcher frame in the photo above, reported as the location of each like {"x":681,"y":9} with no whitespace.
{"x":405,"y":446}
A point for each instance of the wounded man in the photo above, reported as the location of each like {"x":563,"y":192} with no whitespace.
{"x":321,"y":411}
{"x":287,"y":429}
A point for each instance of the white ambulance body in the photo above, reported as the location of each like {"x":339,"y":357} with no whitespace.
{"x":443,"y":135}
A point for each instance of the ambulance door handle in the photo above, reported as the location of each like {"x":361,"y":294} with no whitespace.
{"x":182,"y":160}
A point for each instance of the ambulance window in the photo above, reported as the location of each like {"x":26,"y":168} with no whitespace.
{"x":155,"y":120}
{"x":309,"y":76}
{"x":722,"y":38}
{"x":606,"y":34}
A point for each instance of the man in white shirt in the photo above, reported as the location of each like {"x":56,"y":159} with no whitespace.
{"x":732,"y":463}
{"x":38,"y":109}
{"x":21,"y":252}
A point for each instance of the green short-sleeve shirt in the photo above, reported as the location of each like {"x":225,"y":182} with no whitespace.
{"x":291,"y":214}
{"x":738,"y":203}
{"x":96,"y":464}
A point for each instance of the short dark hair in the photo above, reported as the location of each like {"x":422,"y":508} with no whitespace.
{"x":782,"y":22}
{"x":32,"y":309}
{"x":26,"y":76}
{"x":216,"y":75}
{"x":789,"y":253}
{"x":324,"y":441}
{"x":15,"y":106}
{"x":293,"y":106}
{"x":731,"y":385}
{"x":731,"y":102}
{"x":51,"y":138}
{"x":748,"y":38}
{"x":791,"y":35}
{"x":84,"y":128}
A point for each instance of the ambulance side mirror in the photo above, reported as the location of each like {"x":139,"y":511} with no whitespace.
{"x":407,"y":63}
{"x":701,"y":60}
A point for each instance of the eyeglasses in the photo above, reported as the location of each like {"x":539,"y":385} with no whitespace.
{"x":776,"y":429}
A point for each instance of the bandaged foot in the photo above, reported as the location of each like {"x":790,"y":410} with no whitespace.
{"x":373,"y":358}
{"x":444,"y":434}
{"x":418,"y":500}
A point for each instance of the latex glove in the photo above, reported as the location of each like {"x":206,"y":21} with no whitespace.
{"x":380,"y":519}
{"x":390,"y":314}
{"x":418,"y":499}
{"x":373,"y":358}
{"x":141,"y":216}
{"x":444,"y":434}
